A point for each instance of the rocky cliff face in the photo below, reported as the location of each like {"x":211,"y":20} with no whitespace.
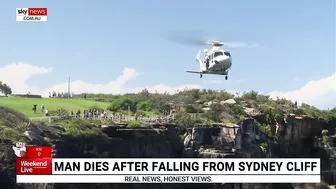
{"x":296,"y":135}
{"x":217,"y":141}
{"x":301,"y":136}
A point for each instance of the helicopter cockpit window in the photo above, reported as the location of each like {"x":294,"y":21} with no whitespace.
{"x":227,"y":54}
{"x":218,"y":54}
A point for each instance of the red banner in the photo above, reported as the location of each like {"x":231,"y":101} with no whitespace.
{"x":38,"y":152}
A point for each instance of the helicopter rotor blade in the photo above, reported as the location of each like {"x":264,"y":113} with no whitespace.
{"x":240,"y":44}
{"x":185,"y":40}
{"x":198,"y":39}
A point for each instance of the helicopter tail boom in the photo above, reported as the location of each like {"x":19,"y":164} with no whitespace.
{"x":194,"y":72}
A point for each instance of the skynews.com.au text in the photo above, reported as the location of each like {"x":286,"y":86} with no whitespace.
{"x":31,"y":14}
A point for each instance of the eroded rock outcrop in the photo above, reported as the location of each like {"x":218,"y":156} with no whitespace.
{"x":216,"y":141}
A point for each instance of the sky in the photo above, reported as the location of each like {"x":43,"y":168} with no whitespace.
{"x":116,"y":47}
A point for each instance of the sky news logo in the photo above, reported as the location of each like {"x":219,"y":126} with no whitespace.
{"x":31,"y":14}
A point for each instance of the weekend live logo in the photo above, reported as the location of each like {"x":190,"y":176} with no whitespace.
{"x":32,"y":160}
{"x":31,"y":14}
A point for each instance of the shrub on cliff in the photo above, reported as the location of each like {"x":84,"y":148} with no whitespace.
{"x":210,"y":95}
{"x":331,"y":114}
{"x":11,"y":135}
{"x":251,"y":95}
{"x":272,"y":113}
{"x":13,"y":123}
{"x":123,"y":104}
{"x":83,"y":128}
{"x":214,"y":112}
{"x":59,"y":112}
{"x":311,"y":110}
{"x":145,"y":105}
{"x":193,"y":109}
{"x":265,"y":129}
{"x":11,"y":118}
{"x":235,"y":110}
{"x":184,"y":119}
{"x":134,"y":124}
{"x":314,"y":112}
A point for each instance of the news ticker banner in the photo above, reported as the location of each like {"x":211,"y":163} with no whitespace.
{"x":34,"y":164}
{"x":31,"y":14}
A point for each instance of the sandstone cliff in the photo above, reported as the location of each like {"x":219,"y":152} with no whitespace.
{"x":292,"y":137}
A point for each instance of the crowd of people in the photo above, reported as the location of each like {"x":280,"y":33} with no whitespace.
{"x":59,"y":95}
{"x":91,"y":113}
{"x":102,"y":114}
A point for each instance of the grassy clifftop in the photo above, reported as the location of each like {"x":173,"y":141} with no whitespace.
{"x":13,"y":124}
{"x":25,"y":105}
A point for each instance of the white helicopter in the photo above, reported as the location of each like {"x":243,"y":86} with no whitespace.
{"x":217,"y":61}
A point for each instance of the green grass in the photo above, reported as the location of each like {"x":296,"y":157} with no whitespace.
{"x":25,"y":105}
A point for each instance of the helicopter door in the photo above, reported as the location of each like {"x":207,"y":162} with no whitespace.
{"x":209,"y":62}
{"x":211,"y":57}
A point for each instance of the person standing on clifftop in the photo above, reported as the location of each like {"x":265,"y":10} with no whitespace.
{"x":34,"y":108}
{"x":42,"y":108}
